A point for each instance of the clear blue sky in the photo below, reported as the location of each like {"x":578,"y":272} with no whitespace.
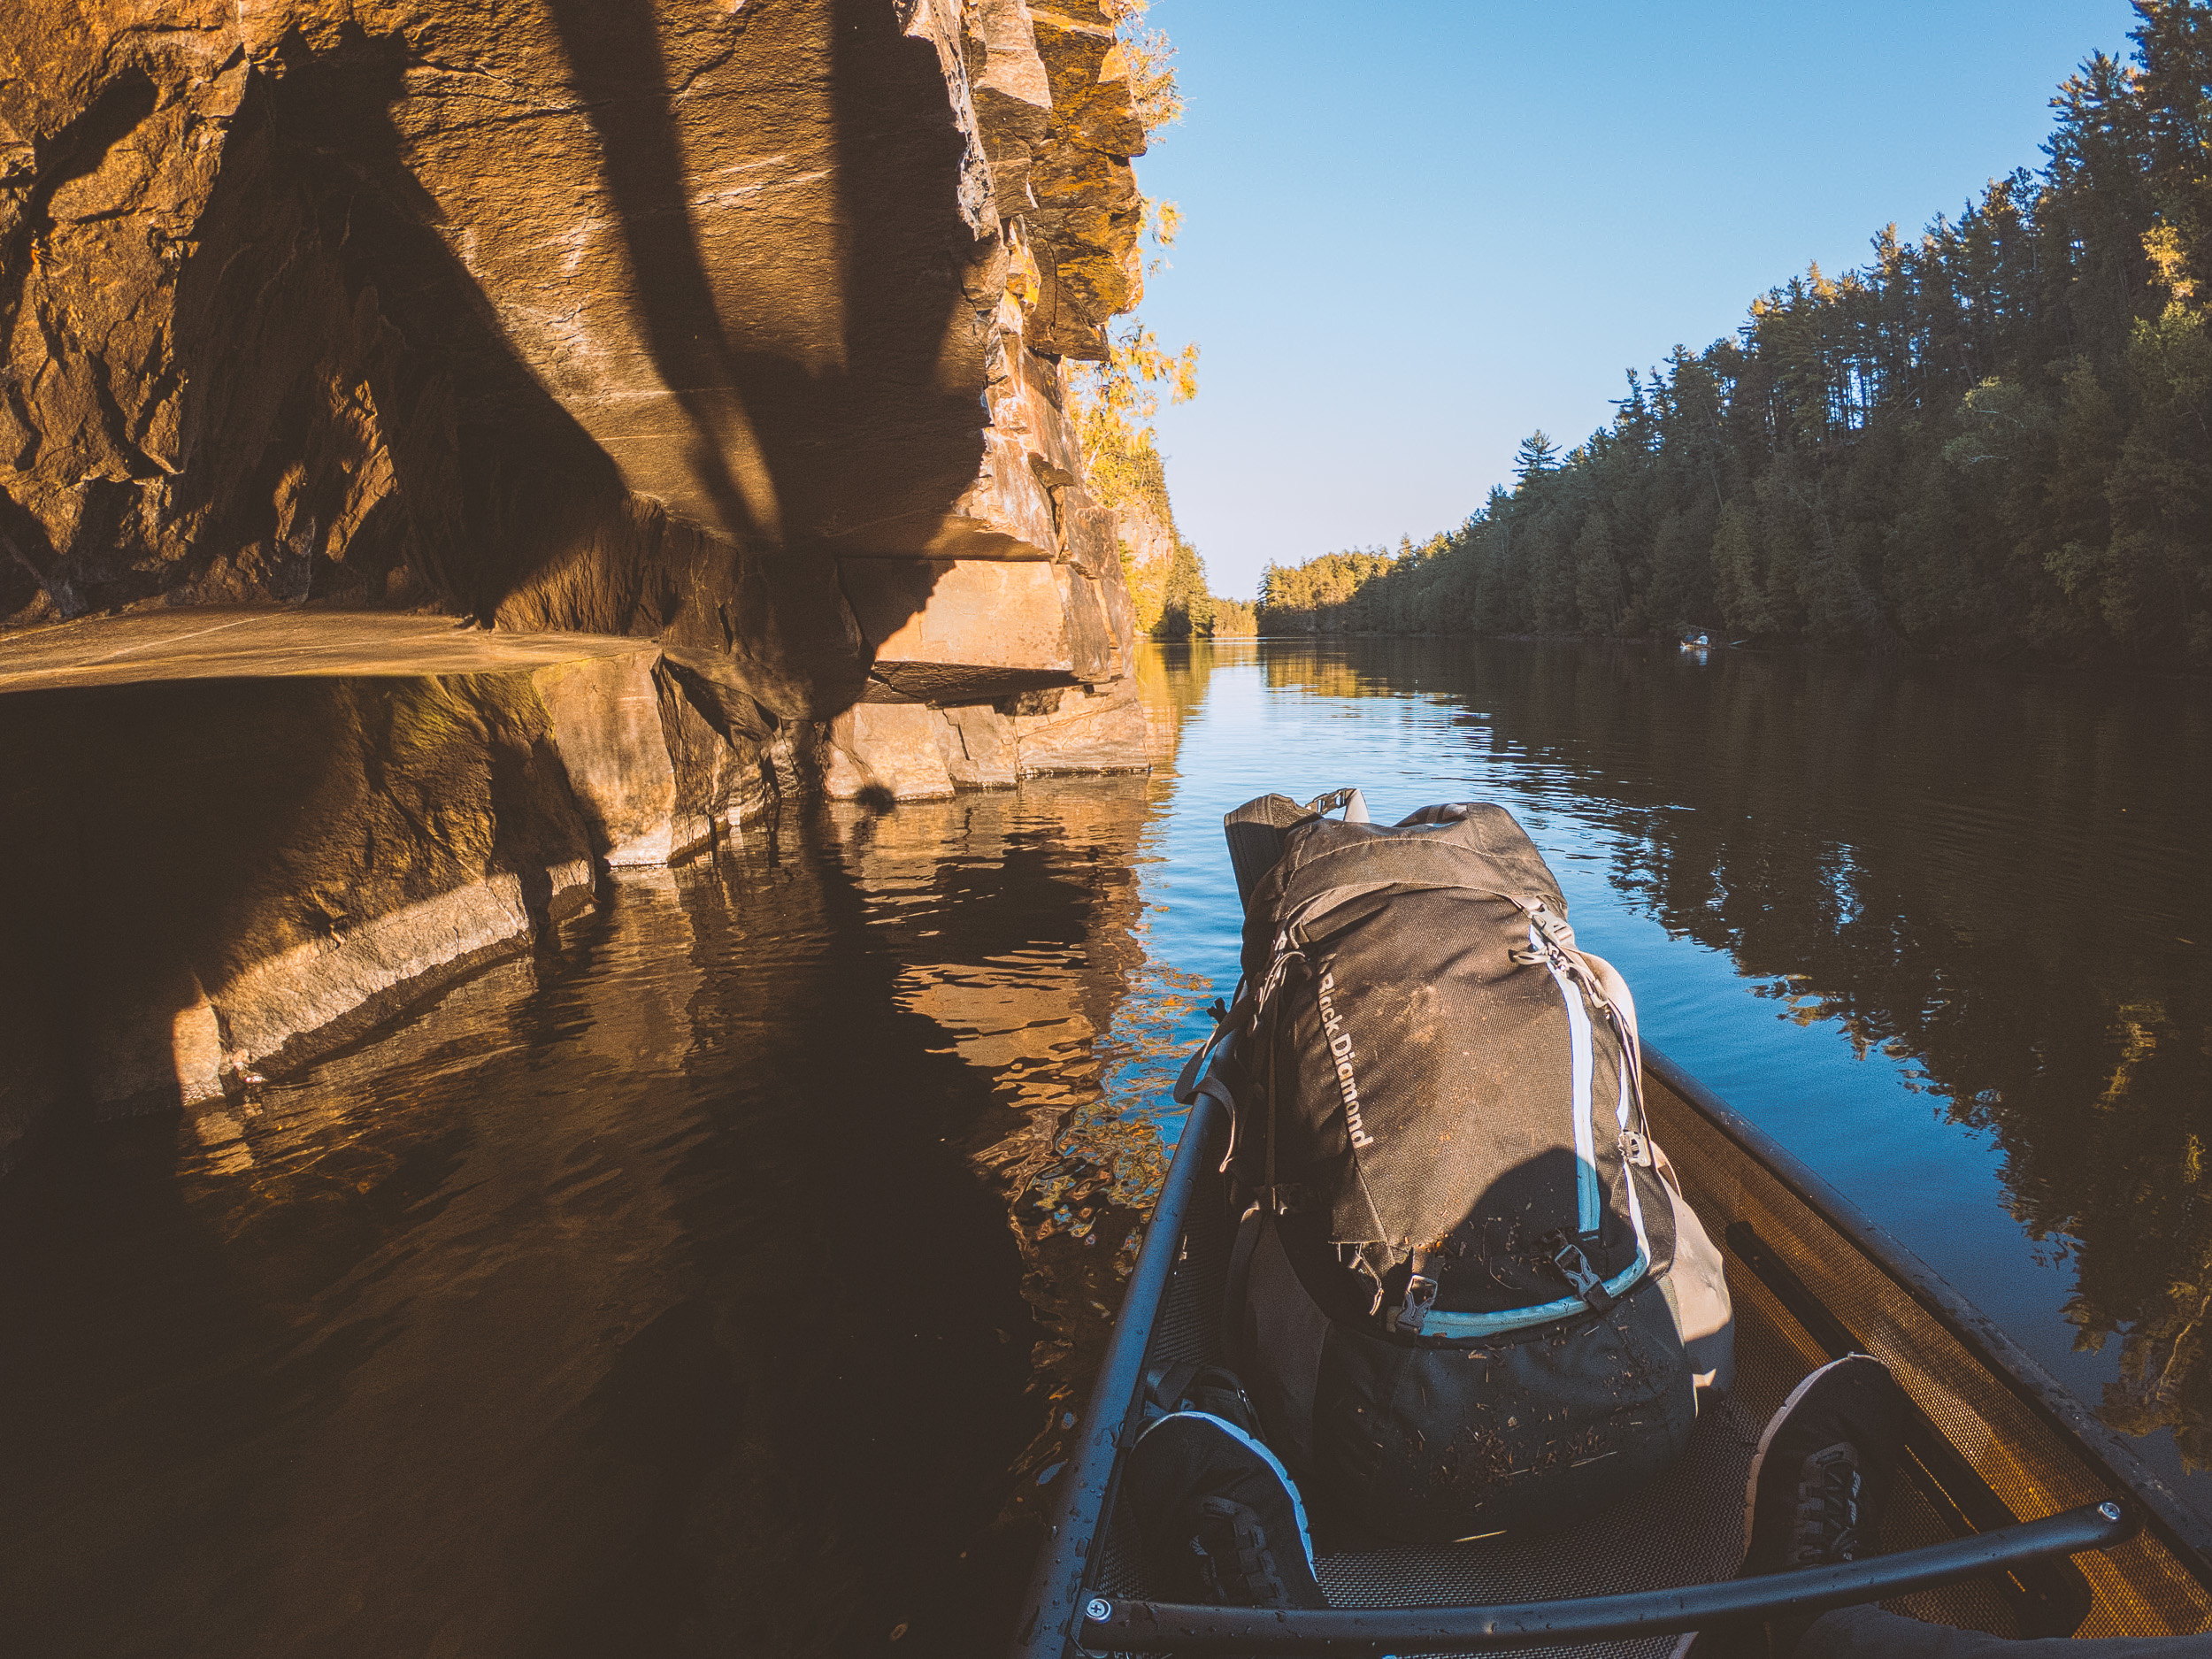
{"x":1418,"y":229}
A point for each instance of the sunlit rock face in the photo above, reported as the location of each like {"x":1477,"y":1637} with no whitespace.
{"x":682,"y":320}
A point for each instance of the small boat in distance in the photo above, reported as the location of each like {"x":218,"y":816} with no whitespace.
{"x":2016,"y":1512}
{"x":1696,"y":642}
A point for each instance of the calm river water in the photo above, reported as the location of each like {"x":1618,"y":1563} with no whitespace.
{"x":722,"y":1279}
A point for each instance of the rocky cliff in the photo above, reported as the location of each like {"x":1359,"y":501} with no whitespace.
{"x":737,"y":326}
{"x":736,"y":330}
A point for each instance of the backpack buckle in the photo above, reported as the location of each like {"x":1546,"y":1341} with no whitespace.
{"x":1635,"y":1149}
{"x":1570,"y":1260}
{"x":1413,"y":1312}
{"x":1555,"y":928}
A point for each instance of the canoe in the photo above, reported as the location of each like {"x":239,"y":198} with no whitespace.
{"x":2019,"y":1512}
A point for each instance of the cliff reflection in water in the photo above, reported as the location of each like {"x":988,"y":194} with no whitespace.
{"x":1017,"y":925}
{"x":1998,"y":877}
{"x":655,"y":1294}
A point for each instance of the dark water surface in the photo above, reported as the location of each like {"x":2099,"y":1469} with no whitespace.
{"x":721,"y":1281}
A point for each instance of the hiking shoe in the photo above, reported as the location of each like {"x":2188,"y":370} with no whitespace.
{"x":1822,"y":1472}
{"x":1219,"y":1520}
{"x":1818,"y":1485}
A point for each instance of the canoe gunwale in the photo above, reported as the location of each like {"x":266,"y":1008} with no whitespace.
{"x":1115,"y":1625}
{"x":1048,"y":1618}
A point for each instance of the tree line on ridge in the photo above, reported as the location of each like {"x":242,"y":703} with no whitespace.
{"x":1991,"y":441}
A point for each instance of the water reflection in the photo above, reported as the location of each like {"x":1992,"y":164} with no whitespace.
{"x":1016,"y":921}
{"x":725,"y":1278}
{"x":656,"y":1294}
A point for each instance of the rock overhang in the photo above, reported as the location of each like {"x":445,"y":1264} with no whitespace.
{"x":626,"y":318}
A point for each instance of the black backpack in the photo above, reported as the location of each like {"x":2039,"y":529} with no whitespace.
{"x":1454,"y":1296}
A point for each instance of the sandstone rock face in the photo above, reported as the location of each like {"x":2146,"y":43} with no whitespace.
{"x":945,"y":632}
{"x":885,"y":752}
{"x":652,"y":777}
{"x":630,"y":318}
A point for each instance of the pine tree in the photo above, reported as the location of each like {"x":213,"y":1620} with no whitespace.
{"x":1738,"y":575}
{"x":1537,"y":456}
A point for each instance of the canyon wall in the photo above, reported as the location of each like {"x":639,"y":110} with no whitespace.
{"x":736,"y":331}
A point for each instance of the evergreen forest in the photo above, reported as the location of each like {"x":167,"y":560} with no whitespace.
{"x":1989,"y":441}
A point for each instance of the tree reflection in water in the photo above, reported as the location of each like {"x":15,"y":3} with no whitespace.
{"x":1999,"y":877}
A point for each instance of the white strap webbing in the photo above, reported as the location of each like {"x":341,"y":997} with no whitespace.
{"x":1578,"y":1088}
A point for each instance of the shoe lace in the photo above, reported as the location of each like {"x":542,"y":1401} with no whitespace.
{"x":1825,"y":1526}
